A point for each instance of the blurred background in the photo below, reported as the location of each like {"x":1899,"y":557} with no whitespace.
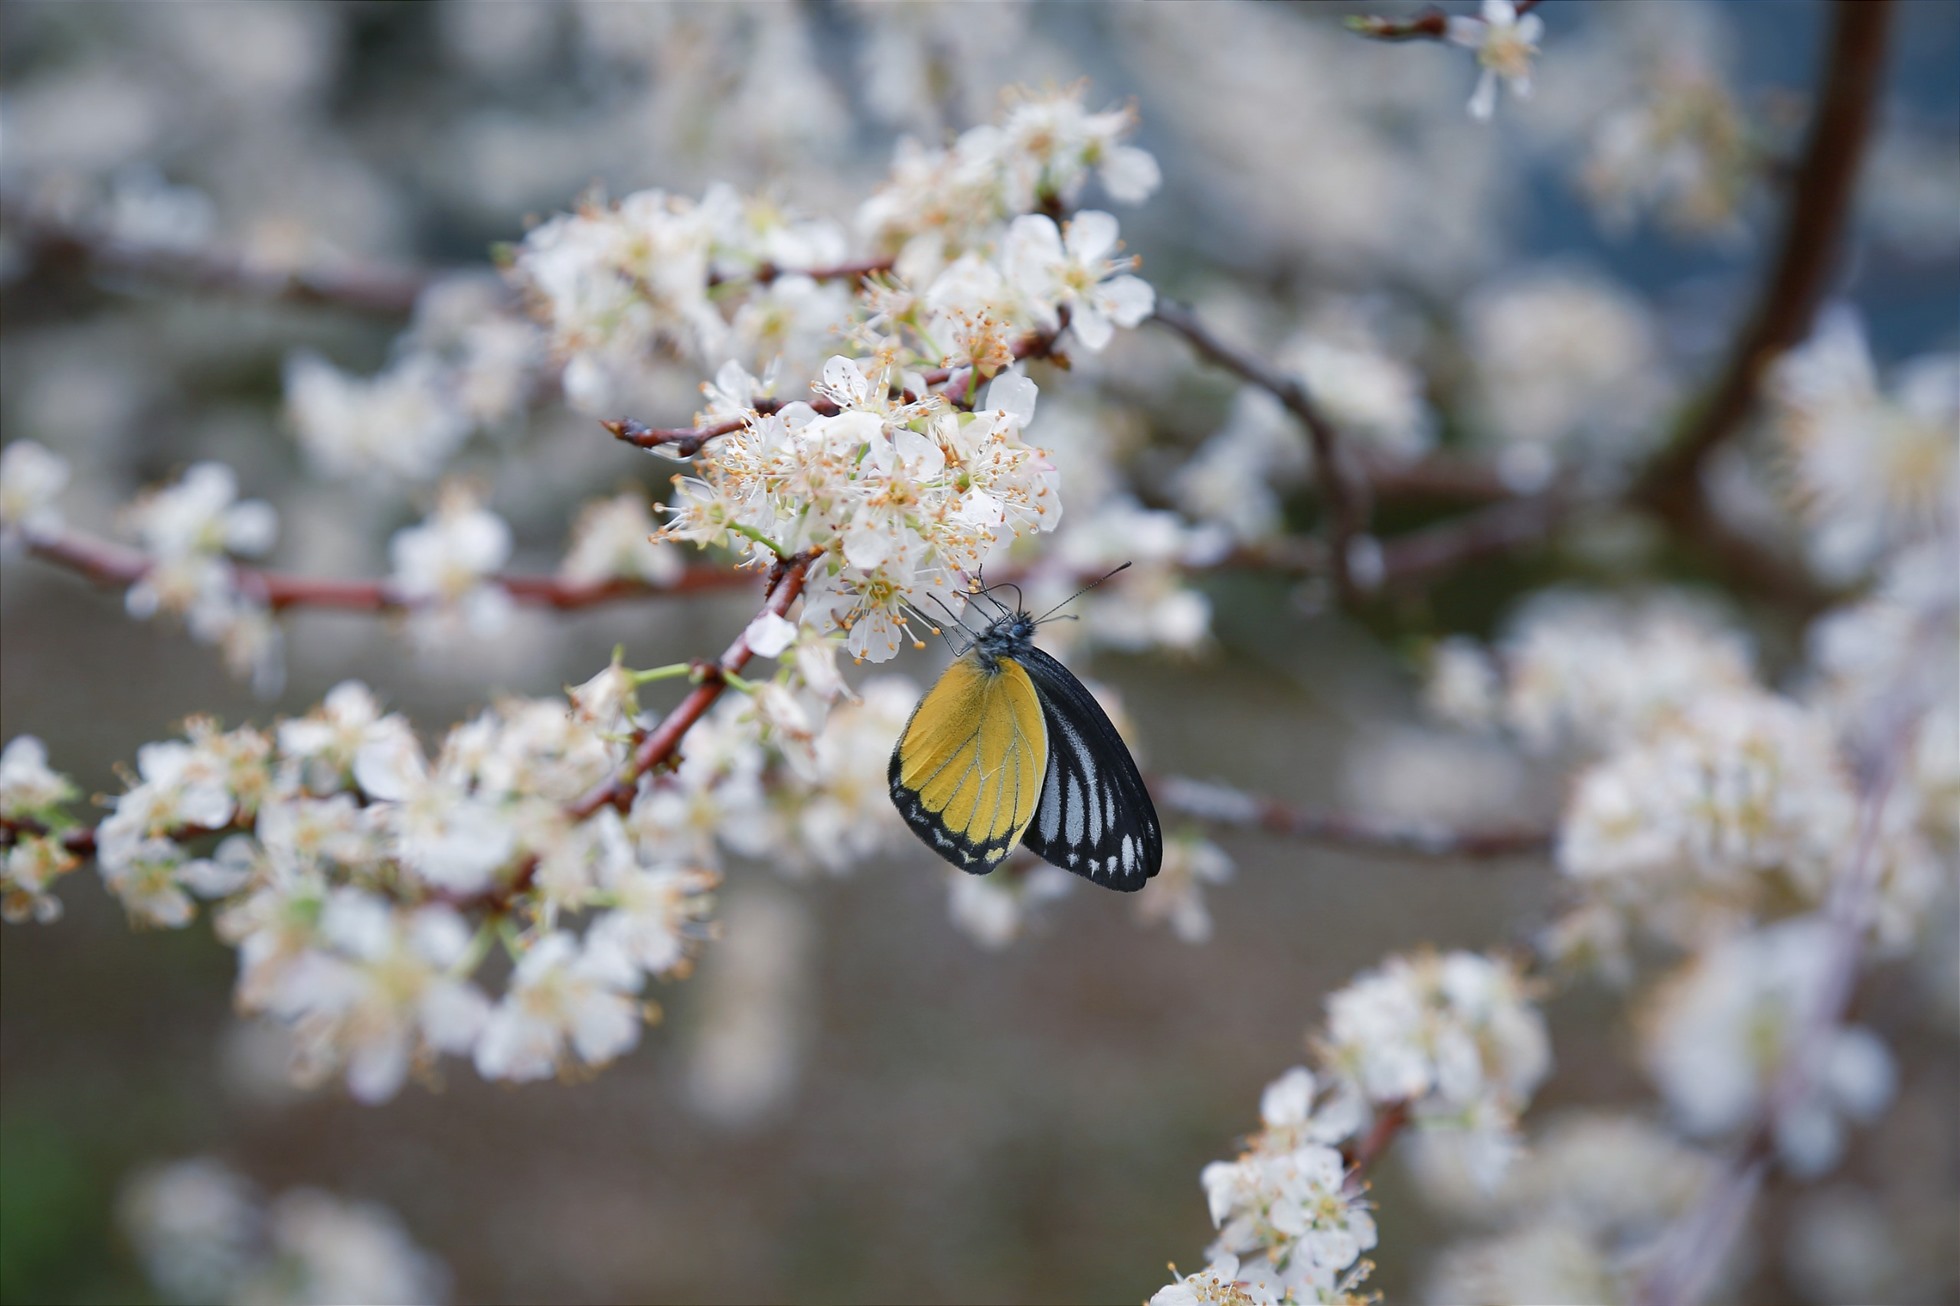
{"x":914,"y":1117}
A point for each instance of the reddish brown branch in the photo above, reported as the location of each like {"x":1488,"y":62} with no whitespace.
{"x":1794,"y":282}
{"x":660,"y":743}
{"x":1346,"y":492}
{"x":79,"y":841}
{"x":1362,"y":1154}
{"x":111,"y":564}
{"x":1501,"y":529}
{"x":382,"y":292}
{"x":1432,"y":24}
{"x":849,"y":270}
{"x":1218,"y":804}
{"x":686,"y":441}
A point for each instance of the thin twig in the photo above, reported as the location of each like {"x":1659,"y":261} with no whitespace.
{"x":1432,"y":24}
{"x":1218,"y":804}
{"x":380,"y":292}
{"x":107,"y":563}
{"x":686,"y":441}
{"x":658,"y":747}
{"x":1501,"y":529}
{"x":1346,"y":493}
{"x":1362,"y":1154}
{"x":849,"y":270}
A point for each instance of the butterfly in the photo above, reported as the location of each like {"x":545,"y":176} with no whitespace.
{"x":1009,"y":747}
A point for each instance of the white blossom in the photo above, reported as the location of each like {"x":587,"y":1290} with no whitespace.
{"x":1872,"y":469}
{"x":612,"y":539}
{"x":1592,"y":670}
{"x":31,"y":479}
{"x":1504,"y":43}
{"x":1722,"y":1032}
{"x":203,"y":1233}
{"x":1453,"y":1036}
{"x":1733,"y":812}
{"x":403,"y":423}
{"x":566,"y":1001}
{"x":377,"y":996}
{"x":1072,"y":268}
{"x":29,"y":789}
{"x":1175,"y":895}
{"x":446,"y":566}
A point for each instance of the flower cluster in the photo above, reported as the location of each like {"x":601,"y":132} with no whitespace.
{"x":1290,"y":1226}
{"x":1736,"y":810}
{"x":363,"y":883}
{"x":206,"y":1234}
{"x":1450,"y":1044}
{"x":1583,"y":672}
{"x":1677,"y":144}
{"x":1578,"y":1219}
{"x":1721,"y":1033}
{"x":615,"y":285}
{"x":1568,"y":373}
{"x":901,"y":499}
{"x":940,"y":204}
{"x":731,"y":278}
{"x":1453,"y":1038}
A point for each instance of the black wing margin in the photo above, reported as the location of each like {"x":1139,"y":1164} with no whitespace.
{"x":1095,"y":817}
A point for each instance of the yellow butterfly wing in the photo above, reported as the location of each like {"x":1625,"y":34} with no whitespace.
{"x":967,"y":771}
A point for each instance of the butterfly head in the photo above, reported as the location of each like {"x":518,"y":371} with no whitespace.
{"x":1004,"y":637}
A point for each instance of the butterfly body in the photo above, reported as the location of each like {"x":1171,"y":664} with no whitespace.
{"x":1009,"y":747}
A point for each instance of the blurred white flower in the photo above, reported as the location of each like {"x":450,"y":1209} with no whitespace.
{"x":377,"y":996}
{"x":1455,"y":1037}
{"x":993,"y":910}
{"x":1735,"y":811}
{"x":445,"y":568}
{"x":1872,"y":471}
{"x":205,"y":1234}
{"x":1722,"y":1031}
{"x":1176,"y":895}
{"x":202,"y":514}
{"x":404,"y":423}
{"x":31,"y":865}
{"x":29,"y":789}
{"x":1568,"y":370}
{"x":612,"y":539}
{"x":327,"y":1250}
{"x":195,"y":1226}
{"x":453,"y":838}
{"x":190,"y":529}
{"x":1592,"y":671}
{"x":1504,"y":43}
{"x":567,"y":1002}
{"x":329,"y":738}
{"x":31,"y":479}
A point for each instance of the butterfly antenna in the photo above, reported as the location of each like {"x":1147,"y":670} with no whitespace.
{"x":1079,"y":593}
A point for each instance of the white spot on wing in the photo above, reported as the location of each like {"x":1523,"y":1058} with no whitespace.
{"x":1051,"y":805}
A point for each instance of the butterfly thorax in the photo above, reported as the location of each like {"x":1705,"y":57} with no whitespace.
{"x":1006,"y":638}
